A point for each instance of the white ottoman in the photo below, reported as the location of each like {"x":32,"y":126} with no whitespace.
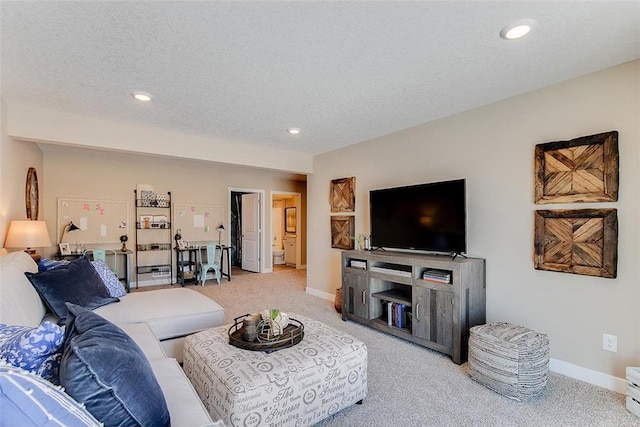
{"x":297,"y":386}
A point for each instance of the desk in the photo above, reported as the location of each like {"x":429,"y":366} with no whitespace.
{"x":119,"y":253}
{"x":192,"y":264}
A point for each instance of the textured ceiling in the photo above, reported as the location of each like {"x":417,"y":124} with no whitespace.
{"x":343,"y":72}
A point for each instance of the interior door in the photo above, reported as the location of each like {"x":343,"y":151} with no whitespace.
{"x":251,"y":232}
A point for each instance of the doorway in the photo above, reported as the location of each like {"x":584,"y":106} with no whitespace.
{"x":285,"y":230}
{"x":246,"y":216}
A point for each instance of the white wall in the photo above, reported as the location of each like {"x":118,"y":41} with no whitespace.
{"x":92,"y":174}
{"x":15,"y":160}
{"x":493,"y":148}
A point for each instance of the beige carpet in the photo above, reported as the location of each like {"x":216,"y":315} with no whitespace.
{"x":413,"y":386}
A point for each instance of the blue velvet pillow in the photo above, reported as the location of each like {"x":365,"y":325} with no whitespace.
{"x":34,"y":349}
{"x":77,"y":283}
{"x":28,"y":400}
{"x":105,"y":369}
{"x":114,"y":287}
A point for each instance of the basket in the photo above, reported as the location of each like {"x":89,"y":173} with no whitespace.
{"x":292,"y":335}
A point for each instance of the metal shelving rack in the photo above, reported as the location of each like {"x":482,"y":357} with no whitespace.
{"x":154,"y":254}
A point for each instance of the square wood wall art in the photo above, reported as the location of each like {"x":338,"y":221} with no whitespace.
{"x":342,"y":194}
{"x":342,"y":232}
{"x":580,"y":241}
{"x":580,"y":170}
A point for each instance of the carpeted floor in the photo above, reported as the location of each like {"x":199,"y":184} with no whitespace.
{"x":413,"y":386}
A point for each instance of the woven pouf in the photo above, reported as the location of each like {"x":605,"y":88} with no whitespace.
{"x":511,"y":360}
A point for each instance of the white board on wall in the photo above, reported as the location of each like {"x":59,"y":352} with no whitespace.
{"x":197,"y":222}
{"x":100,"y":221}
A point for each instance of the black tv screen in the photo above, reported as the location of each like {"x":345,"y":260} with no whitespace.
{"x":426,"y":217}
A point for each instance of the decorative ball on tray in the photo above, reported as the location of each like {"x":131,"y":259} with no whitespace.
{"x":274,"y":321}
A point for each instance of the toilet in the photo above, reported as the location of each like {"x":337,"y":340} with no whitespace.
{"x":278,"y":256}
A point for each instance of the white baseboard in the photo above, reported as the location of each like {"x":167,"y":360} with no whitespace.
{"x":320,"y":294}
{"x":588,"y":375}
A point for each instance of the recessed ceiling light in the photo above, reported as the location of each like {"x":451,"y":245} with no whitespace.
{"x":517,"y":29}
{"x":141,"y":96}
{"x":293,"y":131}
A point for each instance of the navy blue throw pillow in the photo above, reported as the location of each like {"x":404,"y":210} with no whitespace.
{"x":76,"y":282}
{"x":105,"y":369}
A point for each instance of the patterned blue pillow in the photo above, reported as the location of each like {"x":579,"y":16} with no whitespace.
{"x":28,"y":400}
{"x":34,"y":349}
{"x":47,"y":264}
{"x":110,"y":280}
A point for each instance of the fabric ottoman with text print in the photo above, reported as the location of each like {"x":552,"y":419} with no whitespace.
{"x":296,"y":386}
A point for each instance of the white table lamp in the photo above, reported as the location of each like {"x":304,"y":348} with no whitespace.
{"x":28,"y":234}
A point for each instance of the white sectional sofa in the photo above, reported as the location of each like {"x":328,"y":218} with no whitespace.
{"x":158,"y":322}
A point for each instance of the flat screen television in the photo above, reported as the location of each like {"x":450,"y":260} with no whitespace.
{"x":425,"y":217}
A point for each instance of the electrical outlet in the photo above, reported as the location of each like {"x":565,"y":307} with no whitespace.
{"x":610,"y":342}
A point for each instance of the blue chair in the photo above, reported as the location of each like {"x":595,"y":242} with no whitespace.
{"x":214,"y":261}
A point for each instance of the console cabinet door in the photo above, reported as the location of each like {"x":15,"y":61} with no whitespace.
{"x":421,"y":322}
{"x":354,"y":294}
{"x":433,"y":315}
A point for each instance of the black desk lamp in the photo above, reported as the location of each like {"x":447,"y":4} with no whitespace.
{"x":69,"y":228}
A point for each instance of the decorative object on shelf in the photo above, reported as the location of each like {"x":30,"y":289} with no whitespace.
{"x":265,"y":339}
{"x":342,"y":194}
{"x":178,"y":236}
{"x":28,"y":234}
{"x":580,"y":241}
{"x":31,"y":194}
{"x":342,"y":229}
{"x":337,"y":302}
{"x":220,"y":230}
{"x":123,"y":239}
{"x":290,"y":220}
{"x":580,"y":170}
{"x":65,"y":248}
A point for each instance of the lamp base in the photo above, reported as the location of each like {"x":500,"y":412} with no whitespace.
{"x":36,"y":257}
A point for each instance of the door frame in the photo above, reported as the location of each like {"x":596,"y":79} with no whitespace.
{"x":261,"y":240}
{"x":298,"y":198}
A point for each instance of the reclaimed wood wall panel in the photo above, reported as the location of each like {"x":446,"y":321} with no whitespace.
{"x":342,"y":231}
{"x":342,"y":194}
{"x":580,"y":241}
{"x":580,"y":170}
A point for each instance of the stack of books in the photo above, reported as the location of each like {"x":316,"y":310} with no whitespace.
{"x":440,"y":276}
{"x":398,"y":315}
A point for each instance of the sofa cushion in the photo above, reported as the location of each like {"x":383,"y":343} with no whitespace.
{"x":77,"y":283}
{"x":103,"y":368}
{"x":28,"y":400}
{"x":34,"y":349}
{"x":114,"y":287}
{"x":170,"y":312}
{"x":185,"y":406}
{"x":20,"y":304}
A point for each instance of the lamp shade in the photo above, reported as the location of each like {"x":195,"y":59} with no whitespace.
{"x":220,"y":227}
{"x":27,"y":234}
